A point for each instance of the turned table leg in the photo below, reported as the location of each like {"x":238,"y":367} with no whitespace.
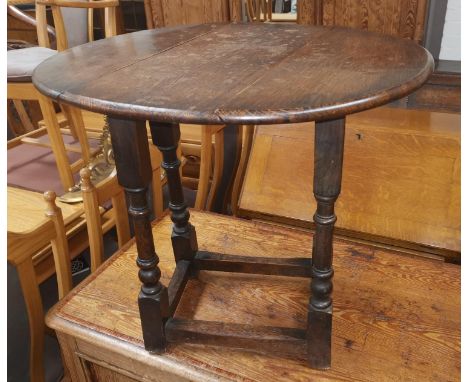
{"x":328,"y":162}
{"x":132,"y":160}
{"x":166,"y":137}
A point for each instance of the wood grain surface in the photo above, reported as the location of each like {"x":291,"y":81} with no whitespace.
{"x":236,"y":73}
{"x":25,"y":210}
{"x":401,"y":178}
{"x":395,"y":317}
{"x":166,"y":13}
{"x":403,"y":18}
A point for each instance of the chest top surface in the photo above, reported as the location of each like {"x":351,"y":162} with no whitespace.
{"x":236,"y":73}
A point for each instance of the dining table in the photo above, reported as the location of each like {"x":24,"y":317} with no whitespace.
{"x":232,"y":74}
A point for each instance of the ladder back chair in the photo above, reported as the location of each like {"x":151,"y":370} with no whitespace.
{"x":53,"y":230}
{"x":21,"y":248}
{"x":22,"y":62}
{"x":94,"y":199}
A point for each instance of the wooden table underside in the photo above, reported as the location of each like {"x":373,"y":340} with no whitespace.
{"x":395,"y":318}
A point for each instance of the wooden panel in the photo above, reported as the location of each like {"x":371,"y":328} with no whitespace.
{"x":404,"y":18}
{"x":393,"y":315}
{"x":401,"y":178}
{"x":101,"y":373}
{"x":442,"y":92}
{"x":186,"y":12}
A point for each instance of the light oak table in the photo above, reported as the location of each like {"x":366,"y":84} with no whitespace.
{"x":396,"y":317}
{"x":401,"y":179}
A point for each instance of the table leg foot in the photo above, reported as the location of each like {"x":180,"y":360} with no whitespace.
{"x":153,"y":313}
{"x":319,"y":329}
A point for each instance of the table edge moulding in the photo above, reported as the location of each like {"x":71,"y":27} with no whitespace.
{"x":226,"y":114}
{"x":351,"y":71}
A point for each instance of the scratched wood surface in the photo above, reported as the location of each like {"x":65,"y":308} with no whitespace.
{"x":236,"y":73}
{"x":401,"y":178}
{"x":395,"y":317}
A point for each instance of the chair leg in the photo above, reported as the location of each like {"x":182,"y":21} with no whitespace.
{"x":56,"y":140}
{"x":15,"y":125}
{"x":205,"y":167}
{"x":32,"y":299}
{"x":78,"y":130}
{"x":121,"y":219}
{"x":218,"y":168}
{"x":247,"y":139}
{"x":23,"y":115}
{"x":156,"y":183}
{"x":93,"y":219}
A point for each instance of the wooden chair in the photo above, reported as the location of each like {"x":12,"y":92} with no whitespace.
{"x":54,"y":230}
{"x":21,"y":248}
{"x":93,"y":200}
{"x":245,"y":148}
{"x":205,"y":148}
{"x":21,"y":64}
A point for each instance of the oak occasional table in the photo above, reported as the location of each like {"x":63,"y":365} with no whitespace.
{"x":232,"y":74}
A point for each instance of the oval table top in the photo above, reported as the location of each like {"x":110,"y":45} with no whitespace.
{"x":236,"y":73}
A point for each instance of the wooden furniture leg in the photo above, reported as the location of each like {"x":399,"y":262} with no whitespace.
{"x":328,"y":162}
{"x":166,"y":137}
{"x":23,"y":115}
{"x":32,"y":299}
{"x":58,"y":147}
{"x":93,"y":217}
{"x":78,"y":130}
{"x":217,"y":168}
{"x":205,"y":167}
{"x":156,"y":183}
{"x":247,"y":140}
{"x":132,"y":160}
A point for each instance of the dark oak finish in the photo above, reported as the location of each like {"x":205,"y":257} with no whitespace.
{"x":166,"y":137}
{"x":132,"y":159}
{"x":224,"y":71}
{"x":208,"y":261}
{"x":328,"y":164}
{"x":264,"y":339}
{"x":220,"y":74}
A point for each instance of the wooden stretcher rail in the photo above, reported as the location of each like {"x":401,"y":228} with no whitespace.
{"x":267,"y":339}
{"x":295,"y":267}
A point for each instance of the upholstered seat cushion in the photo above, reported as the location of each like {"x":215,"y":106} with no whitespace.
{"x":22,"y":62}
